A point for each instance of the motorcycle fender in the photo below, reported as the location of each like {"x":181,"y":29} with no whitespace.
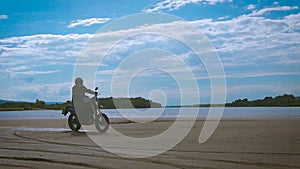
{"x":68,"y":109}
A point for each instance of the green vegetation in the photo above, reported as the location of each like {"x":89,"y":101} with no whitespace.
{"x":278,"y":101}
{"x":284,"y":100}
{"x":38,"y":105}
{"x":106,"y":103}
{"x":137,"y":102}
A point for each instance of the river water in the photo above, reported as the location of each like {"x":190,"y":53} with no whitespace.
{"x":229,"y":112}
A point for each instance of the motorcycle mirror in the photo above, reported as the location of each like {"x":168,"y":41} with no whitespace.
{"x":96,"y":88}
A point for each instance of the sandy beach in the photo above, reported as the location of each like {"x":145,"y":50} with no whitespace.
{"x":237,"y":143}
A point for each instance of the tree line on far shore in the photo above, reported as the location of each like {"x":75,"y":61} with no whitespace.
{"x":136,"y":102}
{"x":283,"y":100}
{"x":286,"y":100}
{"x":139,"y":102}
{"x":37,"y":105}
{"x":106,"y":103}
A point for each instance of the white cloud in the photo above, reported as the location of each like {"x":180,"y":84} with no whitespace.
{"x":43,"y":46}
{"x":246,"y":91}
{"x":38,"y":54}
{"x":260,"y":74}
{"x":223,"y":17}
{"x":241,"y":41}
{"x":252,"y":91}
{"x":248,"y":74}
{"x":88,"y":22}
{"x":176,"y":4}
{"x":254,"y":39}
{"x":3,"y":17}
{"x":279,"y":8}
{"x":30,"y":92}
{"x":251,"y":6}
{"x":32,"y":72}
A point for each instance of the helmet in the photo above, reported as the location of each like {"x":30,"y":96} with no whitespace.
{"x":79,"y":81}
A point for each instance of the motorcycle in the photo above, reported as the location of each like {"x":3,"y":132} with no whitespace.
{"x":92,"y":112}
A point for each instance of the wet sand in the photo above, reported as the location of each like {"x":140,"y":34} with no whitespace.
{"x":237,"y":143}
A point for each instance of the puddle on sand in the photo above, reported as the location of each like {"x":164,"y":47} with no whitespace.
{"x":41,"y":129}
{"x":5,"y":127}
{"x":47,"y":129}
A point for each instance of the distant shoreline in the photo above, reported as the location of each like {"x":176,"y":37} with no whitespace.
{"x":22,"y":109}
{"x":203,"y":106}
{"x":106,"y":103}
{"x":286,"y":100}
{"x":187,"y":106}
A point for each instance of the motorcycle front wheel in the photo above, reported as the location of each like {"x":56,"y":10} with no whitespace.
{"x":102,"y":123}
{"x":74,"y":122}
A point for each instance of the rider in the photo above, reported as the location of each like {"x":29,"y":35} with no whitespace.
{"x":79,"y":90}
{"x":78,"y":97}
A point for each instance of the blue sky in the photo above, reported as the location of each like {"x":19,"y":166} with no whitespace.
{"x":258,"y":43}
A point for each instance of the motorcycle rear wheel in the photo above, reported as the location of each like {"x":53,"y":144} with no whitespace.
{"x":102,"y":123}
{"x":74,"y":122}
